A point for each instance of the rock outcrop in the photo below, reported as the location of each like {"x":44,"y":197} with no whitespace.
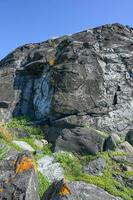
{"x":77,"y":80}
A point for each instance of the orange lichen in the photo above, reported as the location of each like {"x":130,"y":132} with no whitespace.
{"x":52,"y":61}
{"x":64,"y":190}
{"x":25,"y":164}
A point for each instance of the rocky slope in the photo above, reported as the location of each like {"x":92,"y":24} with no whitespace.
{"x":77,"y":91}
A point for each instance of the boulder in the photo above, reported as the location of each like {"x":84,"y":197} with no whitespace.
{"x":95,"y":167}
{"x":76,"y":190}
{"x":129,"y":137}
{"x":51,"y":169}
{"x":18,"y":178}
{"x":110,"y":143}
{"x":126,"y":147}
{"x":80,"y":140}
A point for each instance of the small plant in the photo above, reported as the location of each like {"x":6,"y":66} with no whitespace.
{"x":4,"y":133}
{"x":47,"y":149}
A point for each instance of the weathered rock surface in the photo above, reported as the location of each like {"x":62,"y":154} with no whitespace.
{"x":78,"y":190}
{"x":88,"y":75}
{"x":50,"y":168}
{"x":129,"y":137}
{"x":79,"y":140}
{"x":126,"y":147}
{"x":95,"y":167}
{"x":18,"y":178}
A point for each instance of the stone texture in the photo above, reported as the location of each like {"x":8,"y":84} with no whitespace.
{"x":123,"y":159}
{"x":80,"y":191}
{"x":95,"y":167}
{"x":129,"y":137}
{"x":110,"y":143}
{"x":79,"y":140}
{"x":88,"y":74}
{"x":23,"y":145}
{"x":126,"y":147}
{"x":16,"y":181}
{"x":50,"y":168}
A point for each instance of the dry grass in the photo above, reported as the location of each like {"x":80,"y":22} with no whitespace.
{"x":4,"y":133}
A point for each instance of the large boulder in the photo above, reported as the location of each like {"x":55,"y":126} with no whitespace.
{"x":76,"y":190}
{"x":80,"y":140}
{"x":18,"y":178}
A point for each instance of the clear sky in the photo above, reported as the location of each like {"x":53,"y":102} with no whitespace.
{"x":27,"y":21}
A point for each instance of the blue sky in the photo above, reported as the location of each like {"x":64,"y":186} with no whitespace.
{"x":27,"y":21}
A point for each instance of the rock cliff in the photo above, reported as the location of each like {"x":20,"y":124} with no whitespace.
{"x":82,"y":79}
{"x":73,"y":139}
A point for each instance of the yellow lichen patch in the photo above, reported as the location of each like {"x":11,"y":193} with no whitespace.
{"x":1,"y":189}
{"x":64,"y":190}
{"x":52,"y":61}
{"x":4,"y":133}
{"x":25,"y":164}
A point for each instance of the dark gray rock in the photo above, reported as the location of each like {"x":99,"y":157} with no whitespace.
{"x":129,"y":182}
{"x":95,"y":167}
{"x":16,"y":181}
{"x":78,"y":190}
{"x":88,"y":74}
{"x":110,"y":143}
{"x":79,"y":140}
{"x":129,"y":137}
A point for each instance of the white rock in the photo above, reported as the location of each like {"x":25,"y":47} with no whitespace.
{"x":23,"y":145}
{"x":51,"y":169}
{"x":38,"y":143}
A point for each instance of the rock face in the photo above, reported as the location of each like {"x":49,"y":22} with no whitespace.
{"x":85,"y":78}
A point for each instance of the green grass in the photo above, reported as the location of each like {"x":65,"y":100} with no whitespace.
{"x":43,"y":184}
{"x":70,"y":164}
{"x":73,"y":171}
{"x":15,"y":146}
{"x":23,"y":123}
{"x":3,"y":150}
